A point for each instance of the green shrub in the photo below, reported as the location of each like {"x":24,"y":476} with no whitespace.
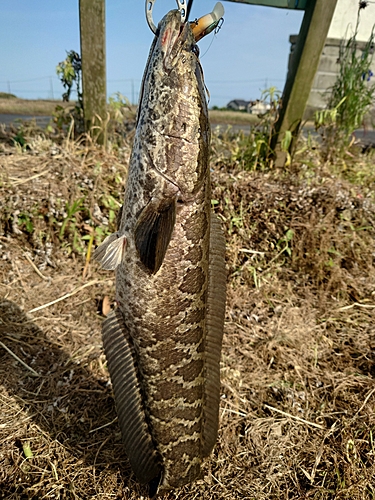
{"x":351,"y":96}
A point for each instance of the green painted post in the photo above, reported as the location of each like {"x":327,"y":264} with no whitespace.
{"x":92,"y":28}
{"x":285,"y":4}
{"x":309,"y":46}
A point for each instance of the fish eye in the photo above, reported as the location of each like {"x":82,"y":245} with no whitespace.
{"x":195,"y":50}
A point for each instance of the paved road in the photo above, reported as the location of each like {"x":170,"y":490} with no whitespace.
{"x":42,"y":121}
{"x":367,"y":137}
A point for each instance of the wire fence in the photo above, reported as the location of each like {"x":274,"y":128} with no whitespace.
{"x":221,"y":91}
{"x":50,"y":87}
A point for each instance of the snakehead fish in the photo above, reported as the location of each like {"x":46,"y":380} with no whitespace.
{"x":163,"y":339}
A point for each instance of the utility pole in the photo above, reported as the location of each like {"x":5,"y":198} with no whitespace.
{"x":51,"y":88}
{"x":92,"y":28}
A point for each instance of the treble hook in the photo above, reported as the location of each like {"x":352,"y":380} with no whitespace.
{"x":181,"y":4}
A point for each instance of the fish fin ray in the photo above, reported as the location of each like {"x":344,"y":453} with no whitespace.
{"x":122,"y":367}
{"x":153,"y":232}
{"x":215,"y":325}
{"x":111,"y":252}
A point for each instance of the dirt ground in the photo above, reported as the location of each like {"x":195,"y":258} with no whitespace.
{"x":298,"y":363}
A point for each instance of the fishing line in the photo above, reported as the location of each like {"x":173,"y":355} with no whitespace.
{"x":188,"y":9}
{"x":216,"y":31}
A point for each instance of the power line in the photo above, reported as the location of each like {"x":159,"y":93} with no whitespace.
{"x":26,"y":81}
{"x":129,"y":87}
{"x":123,"y":80}
{"x":244,"y":81}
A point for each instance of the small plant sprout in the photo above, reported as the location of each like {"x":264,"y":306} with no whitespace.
{"x":284,"y":244}
{"x":27,"y":450}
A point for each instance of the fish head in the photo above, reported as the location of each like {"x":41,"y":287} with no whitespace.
{"x":174,"y":40}
{"x":173,"y":116}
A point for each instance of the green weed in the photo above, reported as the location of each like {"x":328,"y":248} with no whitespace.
{"x":71,"y":230}
{"x":284,"y":243}
{"x":25,"y":222}
{"x":255,"y":151}
{"x":351,"y":97}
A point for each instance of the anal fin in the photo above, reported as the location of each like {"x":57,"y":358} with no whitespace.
{"x":122,"y":367}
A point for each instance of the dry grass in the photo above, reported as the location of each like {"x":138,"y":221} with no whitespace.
{"x":298,"y":366}
{"x":38,"y":107}
{"x":232,"y":117}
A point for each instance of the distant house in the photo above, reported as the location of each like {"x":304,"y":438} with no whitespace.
{"x":238,"y":105}
{"x":258,"y":107}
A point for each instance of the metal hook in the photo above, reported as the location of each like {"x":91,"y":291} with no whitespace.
{"x":149,"y":9}
{"x":208,"y":23}
{"x":219,"y":25}
{"x":181,"y":4}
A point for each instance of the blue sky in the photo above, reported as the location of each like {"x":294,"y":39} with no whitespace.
{"x":248,"y":54}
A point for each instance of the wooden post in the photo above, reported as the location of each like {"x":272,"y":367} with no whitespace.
{"x":92,"y":28}
{"x":304,"y":64}
{"x":286,"y":4}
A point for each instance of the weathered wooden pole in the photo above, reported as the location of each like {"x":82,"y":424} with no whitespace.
{"x":304,"y":64}
{"x":92,"y":30}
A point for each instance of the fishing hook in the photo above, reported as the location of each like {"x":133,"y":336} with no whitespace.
{"x":181,"y":4}
{"x":208,"y":23}
{"x":149,"y":9}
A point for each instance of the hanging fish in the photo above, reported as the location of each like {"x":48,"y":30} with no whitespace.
{"x":163,"y":339}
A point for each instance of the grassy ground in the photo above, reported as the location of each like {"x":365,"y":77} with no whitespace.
{"x":232,"y":117}
{"x":298,"y":366}
{"x":39,"y":107}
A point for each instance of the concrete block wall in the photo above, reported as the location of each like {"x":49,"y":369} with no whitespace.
{"x":327,"y":72}
{"x":342,"y":27}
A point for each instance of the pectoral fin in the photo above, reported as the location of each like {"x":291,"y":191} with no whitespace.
{"x":153,"y":232}
{"x":110,"y":253}
{"x":122,"y":367}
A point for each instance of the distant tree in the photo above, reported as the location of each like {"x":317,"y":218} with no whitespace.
{"x":70,"y":73}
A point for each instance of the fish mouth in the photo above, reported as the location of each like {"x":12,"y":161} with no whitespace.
{"x":175,"y":33}
{"x":173,"y":37}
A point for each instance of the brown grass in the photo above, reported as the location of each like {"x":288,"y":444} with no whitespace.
{"x":232,"y":117}
{"x":38,"y":107}
{"x":298,"y":367}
